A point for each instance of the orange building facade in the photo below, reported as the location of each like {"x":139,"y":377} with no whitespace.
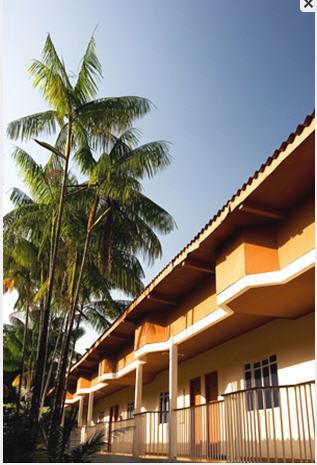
{"x":215,"y":359}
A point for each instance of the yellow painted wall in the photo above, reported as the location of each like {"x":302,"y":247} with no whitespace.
{"x":295,"y":363}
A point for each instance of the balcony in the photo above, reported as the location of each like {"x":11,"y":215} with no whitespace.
{"x":267,"y":424}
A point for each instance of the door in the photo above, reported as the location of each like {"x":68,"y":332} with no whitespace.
{"x":113,"y":416}
{"x":213,"y":414}
{"x":196,"y":417}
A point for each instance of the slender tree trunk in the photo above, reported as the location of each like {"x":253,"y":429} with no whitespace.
{"x":40,"y":361}
{"x":25,"y":333}
{"x":72,"y":292}
{"x":58,"y":410}
{"x":72,"y":354}
{"x":50,"y":371}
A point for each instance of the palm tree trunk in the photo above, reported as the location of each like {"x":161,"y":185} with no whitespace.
{"x":25,"y":332}
{"x":50,"y":371}
{"x":72,"y":353}
{"x":40,"y":361}
{"x":72,"y":292}
{"x":58,"y":410}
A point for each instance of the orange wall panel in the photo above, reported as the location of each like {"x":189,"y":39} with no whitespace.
{"x":230,"y":264}
{"x":297,"y":235}
{"x":261,"y":253}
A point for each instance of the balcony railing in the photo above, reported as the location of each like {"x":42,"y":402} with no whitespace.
{"x":267,"y":424}
{"x":270,"y":424}
{"x":153,"y":432}
{"x":201,"y":431}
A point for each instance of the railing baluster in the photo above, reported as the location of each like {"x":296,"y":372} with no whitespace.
{"x":298,"y":424}
{"x":280,"y":402}
{"x":256,"y":407}
{"x":271,"y":391}
{"x":303,"y":420}
{"x":308,"y":424}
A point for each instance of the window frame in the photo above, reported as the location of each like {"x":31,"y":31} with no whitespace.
{"x":130,"y":410}
{"x":260,"y":374}
{"x":164,"y":402}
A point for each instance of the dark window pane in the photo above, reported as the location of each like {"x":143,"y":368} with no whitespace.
{"x":267,"y":392}
{"x":257,"y":365}
{"x":248,"y":384}
{"x":265,"y":362}
{"x":274,"y":378}
{"x":247,"y":366}
{"x":258,"y":384}
{"x":273,"y":358}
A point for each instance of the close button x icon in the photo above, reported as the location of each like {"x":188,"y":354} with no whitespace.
{"x":309,"y":3}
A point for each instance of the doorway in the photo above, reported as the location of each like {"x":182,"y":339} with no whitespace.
{"x":113,"y":416}
{"x":213,"y":414}
{"x":195,"y":417}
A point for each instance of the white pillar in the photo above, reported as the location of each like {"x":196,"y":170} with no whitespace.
{"x":173,"y":390}
{"x":138,"y":388}
{"x":137,"y":409}
{"x":90,"y":409}
{"x":80,"y":412}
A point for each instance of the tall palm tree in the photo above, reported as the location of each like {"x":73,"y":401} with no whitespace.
{"x":115,"y":180}
{"x":80,"y":122}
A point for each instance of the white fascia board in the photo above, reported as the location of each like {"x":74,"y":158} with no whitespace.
{"x":98,"y":386}
{"x":271,"y":278}
{"x":72,"y":401}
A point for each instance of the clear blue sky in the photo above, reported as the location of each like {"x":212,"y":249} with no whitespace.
{"x":230,"y":80}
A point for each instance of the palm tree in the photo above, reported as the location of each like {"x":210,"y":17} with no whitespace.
{"x":81,"y":123}
{"x":115,"y":179}
{"x":20,"y":259}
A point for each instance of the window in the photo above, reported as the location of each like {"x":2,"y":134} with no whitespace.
{"x":164,"y":406}
{"x":130,"y":410}
{"x":101,"y":417}
{"x":261,"y":375}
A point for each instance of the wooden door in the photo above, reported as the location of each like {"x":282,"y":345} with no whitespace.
{"x":113,"y":416}
{"x":196,"y":417}
{"x":213,"y":416}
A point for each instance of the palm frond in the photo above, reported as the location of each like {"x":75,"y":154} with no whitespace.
{"x":90,"y":72}
{"x":19,"y":197}
{"x":32,"y":173}
{"x":52,"y":85}
{"x":33,"y":125}
{"x":113,"y":113}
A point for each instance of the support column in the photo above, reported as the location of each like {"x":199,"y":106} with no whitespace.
{"x":80,"y":412}
{"x":137,"y":439}
{"x":80,"y":422}
{"x":90,"y":409}
{"x":173,"y":391}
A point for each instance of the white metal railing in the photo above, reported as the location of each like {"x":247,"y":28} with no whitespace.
{"x":200,"y":431}
{"x":153,"y":431}
{"x":267,"y":424}
{"x":271,"y":424}
{"x":121,"y":436}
